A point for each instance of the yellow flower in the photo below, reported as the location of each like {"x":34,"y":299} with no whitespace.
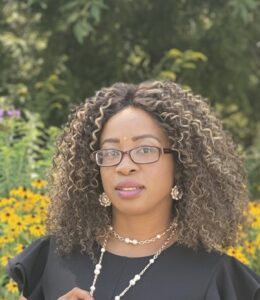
{"x":15,"y":226}
{"x":19,"y":248}
{"x":6,"y":240}
{"x":7,"y":201}
{"x":12,"y":287}
{"x":20,"y":192}
{"x":249,"y":248}
{"x":238,"y":254}
{"x":256,"y":223}
{"x":39,"y":184}
{"x":11,"y":231}
{"x":4,"y":260}
{"x":7,"y":214}
{"x":20,"y":225}
{"x":31,"y":219}
{"x":37,"y":230}
{"x":254,"y":208}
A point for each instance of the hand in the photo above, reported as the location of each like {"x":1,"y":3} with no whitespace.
{"x":76,"y":294}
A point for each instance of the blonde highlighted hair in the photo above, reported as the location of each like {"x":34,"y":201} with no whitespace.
{"x":209,"y":171}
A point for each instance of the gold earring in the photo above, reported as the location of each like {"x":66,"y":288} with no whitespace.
{"x":176,"y":193}
{"x":104,"y":200}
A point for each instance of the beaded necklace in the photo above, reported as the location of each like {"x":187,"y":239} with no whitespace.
{"x":137,"y":277}
{"x":141,"y":242}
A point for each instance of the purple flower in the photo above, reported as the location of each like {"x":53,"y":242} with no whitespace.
{"x":13,"y":113}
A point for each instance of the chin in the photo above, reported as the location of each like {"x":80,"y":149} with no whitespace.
{"x":131,"y":209}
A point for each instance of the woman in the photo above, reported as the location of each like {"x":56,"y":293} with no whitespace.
{"x":147,"y":193}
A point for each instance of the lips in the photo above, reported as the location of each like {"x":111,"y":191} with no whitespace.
{"x":129,"y":189}
{"x":128,"y":185}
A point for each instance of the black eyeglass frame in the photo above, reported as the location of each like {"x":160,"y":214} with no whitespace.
{"x":161,"y":151}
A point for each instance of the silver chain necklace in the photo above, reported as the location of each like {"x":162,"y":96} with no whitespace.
{"x":141,"y":242}
{"x":137,"y":277}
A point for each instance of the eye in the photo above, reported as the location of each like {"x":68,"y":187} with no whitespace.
{"x":110,"y":153}
{"x":146,"y":150}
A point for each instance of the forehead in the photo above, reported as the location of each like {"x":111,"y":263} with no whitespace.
{"x":131,"y":122}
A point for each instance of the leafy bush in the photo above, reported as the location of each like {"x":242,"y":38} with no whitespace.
{"x":252,"y":159}
{"x":25,"y":149}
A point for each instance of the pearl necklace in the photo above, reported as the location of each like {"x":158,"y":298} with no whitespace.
{"x":137,"y":277}
{"x":141,"y":242}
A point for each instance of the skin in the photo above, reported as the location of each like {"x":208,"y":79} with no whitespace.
{"x":150,"y":212}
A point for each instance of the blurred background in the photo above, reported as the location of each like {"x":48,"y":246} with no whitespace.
{"x":54,"y":54}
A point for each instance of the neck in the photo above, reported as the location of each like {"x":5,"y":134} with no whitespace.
{"x":140,"y":227}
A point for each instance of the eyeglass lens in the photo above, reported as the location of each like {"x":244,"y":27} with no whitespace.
{"x":145,"y":154}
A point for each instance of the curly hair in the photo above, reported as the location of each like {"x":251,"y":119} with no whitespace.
{"x":208,"y":168}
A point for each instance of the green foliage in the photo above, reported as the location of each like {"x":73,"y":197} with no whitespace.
{"x":80,"y":14}
{"x":175,"y":62}
{"x":234,"y":120}
{"x":53,"y":54}
{"x":13,"y":163}
{"x":237,"y":123}
{"x":25,"y":150}
{"x":252,"y":157}
{"x":242,"y":9}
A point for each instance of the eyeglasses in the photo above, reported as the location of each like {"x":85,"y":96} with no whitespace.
{"x":139,"y":155}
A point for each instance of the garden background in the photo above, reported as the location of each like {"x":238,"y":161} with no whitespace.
{"x":53,"y":54}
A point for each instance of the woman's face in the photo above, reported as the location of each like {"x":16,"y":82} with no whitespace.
{"x":136,"y":189}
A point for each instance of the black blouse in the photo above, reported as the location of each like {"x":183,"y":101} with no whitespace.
{"x":179,"y":273}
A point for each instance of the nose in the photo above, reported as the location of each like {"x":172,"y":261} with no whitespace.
{"x":126,"y":166}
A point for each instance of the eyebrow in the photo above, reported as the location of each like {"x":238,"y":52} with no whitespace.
{"x":135,"y":138}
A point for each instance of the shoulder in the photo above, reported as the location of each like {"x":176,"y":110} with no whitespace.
{"x":231,"y":279}
{"x":28,"y":266}
{"x":198,"y":260}
{"x":220,"y":276}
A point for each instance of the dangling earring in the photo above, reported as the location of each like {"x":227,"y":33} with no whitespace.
{"x":176,"y":193}
{"x":104,"y":200}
